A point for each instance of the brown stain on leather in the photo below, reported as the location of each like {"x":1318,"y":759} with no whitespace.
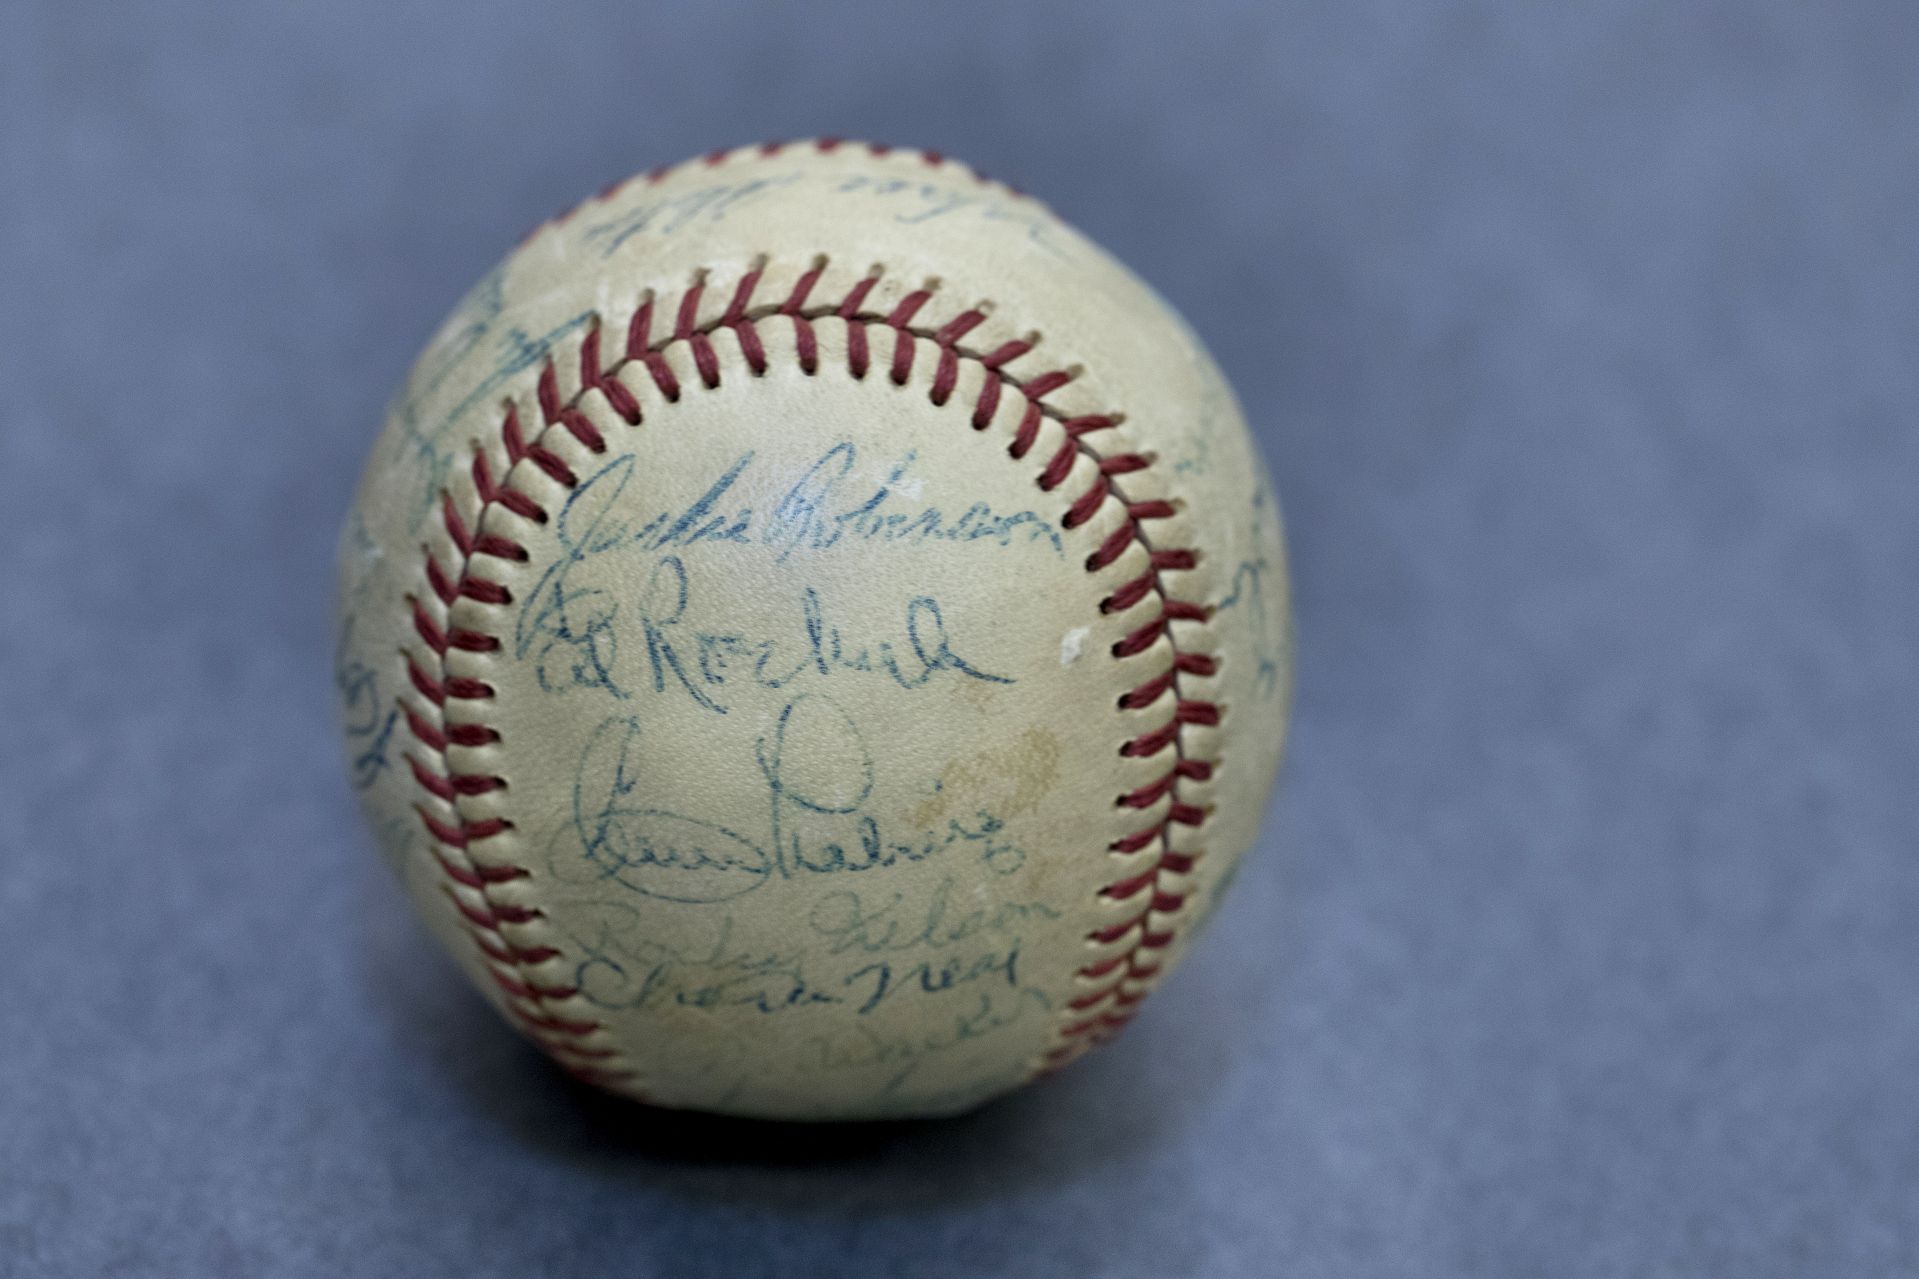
{"x":1006,"y":781}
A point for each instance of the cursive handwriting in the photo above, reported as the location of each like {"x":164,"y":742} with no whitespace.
{"x":477,"y":332}
{"x":625,"y":964}
{"x":824,"y":509}
{"x":818,"y":776}
{"x":654,"y":852}
{"x":703,"y":663}
{"x":707,"y":204}
{"x":649,"y":974}
{"x":931,"y":977}
{"x":571,"y":627}
{"x":366,"y":720}
{"x":849,"y":922}
{"x":916,"y":200}
{"x":1248,"y":595}
{"x":819,"y":513}
{"x":569,"y":624}
{"x":921,"y":201}
{"x":866,"y":1045}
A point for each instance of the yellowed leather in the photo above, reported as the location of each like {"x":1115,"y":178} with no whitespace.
{"x":808,"y":720}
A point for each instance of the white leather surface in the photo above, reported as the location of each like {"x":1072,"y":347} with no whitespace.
{"x":799,"y":760}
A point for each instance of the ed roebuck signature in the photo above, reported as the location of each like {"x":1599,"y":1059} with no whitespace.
{"x":571,"y":625}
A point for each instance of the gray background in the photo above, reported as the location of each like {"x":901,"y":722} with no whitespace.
{"x":1585,"y":935}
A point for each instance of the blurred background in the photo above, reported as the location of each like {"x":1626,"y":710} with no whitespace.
{"x":1584,"y":938}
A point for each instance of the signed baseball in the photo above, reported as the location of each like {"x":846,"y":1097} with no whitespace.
{"x":814,"y":636}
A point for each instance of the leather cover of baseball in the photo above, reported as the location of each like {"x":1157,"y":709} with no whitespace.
{"x":816,"y":636}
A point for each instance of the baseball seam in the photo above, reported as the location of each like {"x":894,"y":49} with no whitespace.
{"x":1131,"y":948}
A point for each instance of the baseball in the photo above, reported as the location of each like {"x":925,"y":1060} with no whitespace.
{"x":816,"y":636}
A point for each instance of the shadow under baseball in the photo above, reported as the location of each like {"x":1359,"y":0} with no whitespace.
{"x":1114,"y":1104}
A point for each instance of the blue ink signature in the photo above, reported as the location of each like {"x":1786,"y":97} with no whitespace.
{"x":665,"y":217}
{"x":847,"y":921}
{"x":925,"y":201}
{"x":622,"y":967}
{"x":572,"y":632}
{"x":474,"y":328}
{"x":866,"y":1046}
{"x":570,"y":623}
{"x":366,"y":720}
{"x":1249,"y":579}
{"x":818,"y":775}
{"x":815,"y":515}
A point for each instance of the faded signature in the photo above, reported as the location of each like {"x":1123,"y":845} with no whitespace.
{"x":478,"y":326}
{"x":665,"y":217}
{"x":914,"y":201}
{"x":366,"y":718}
{"x":573,"y":623}
{"x":922,"y":201}
{"x":848,"y":922}
{"x":867,"y":1045}
{"x":824,"y":509}
{"x":622,"y":967}
{"x":818,"y":776}
{"x":1249,"y":597}
{"x":572,"y":629}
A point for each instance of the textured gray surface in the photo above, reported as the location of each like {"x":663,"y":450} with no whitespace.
{"x":1585,"y":940}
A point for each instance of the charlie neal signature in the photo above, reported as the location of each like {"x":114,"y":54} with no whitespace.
{"x":818,"y":776}
{"x":854,"y":952}
{"x":624,"y":965}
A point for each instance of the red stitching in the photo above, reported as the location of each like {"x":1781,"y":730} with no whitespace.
{"x":1056,"y":470}
{"x":1026,"y":433}
{"x":460,"y":688}
{"x":849,"y":307}
{"x":1122,"y":975}
{"x":1007,"y":352}
{"x":689,"y":310}
{"x":1046,"y":383}
{"x":959,"y":326}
